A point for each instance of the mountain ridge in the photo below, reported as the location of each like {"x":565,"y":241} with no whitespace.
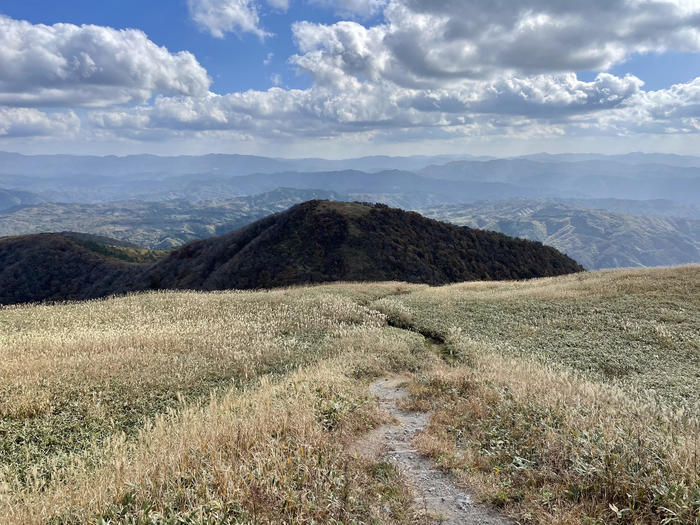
{"x":313,"y":242}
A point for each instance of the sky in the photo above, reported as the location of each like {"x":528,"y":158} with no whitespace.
{"x":343,"y":78}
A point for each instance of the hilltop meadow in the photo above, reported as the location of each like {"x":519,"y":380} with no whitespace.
{"x":571,"y":399}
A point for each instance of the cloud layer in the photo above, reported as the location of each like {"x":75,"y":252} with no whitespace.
{"x":426,"y":69}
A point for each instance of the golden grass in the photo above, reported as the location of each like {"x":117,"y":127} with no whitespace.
{"x":260,"y":456}
{"x":651,"y":282}
{"x":637,"y":329}
{"x":562,"y":400}
{"x":572,"y":400}
{"x":107,"y":410}
{"x":550,"y":447}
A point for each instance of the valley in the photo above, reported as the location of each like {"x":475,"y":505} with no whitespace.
{"x":603,"y":211}
{"x":596,"y":238}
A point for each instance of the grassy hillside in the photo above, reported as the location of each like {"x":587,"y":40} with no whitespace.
{"x":595,"y":238}
{"x":561,"y":400}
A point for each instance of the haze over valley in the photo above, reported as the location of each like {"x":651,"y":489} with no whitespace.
{"x":604,"y":211}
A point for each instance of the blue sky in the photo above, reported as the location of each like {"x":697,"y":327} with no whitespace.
{"x":235,"y":63}
{"x":309,"y":77}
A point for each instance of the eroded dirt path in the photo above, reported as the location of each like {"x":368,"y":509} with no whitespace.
{"x":436,"y":491}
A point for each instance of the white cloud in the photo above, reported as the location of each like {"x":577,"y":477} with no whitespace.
{"x":552,"y":96}
{"x":356,"y":106}
{"x":522,"y":108}
{"x":353,"y":8}
{"x":424,"y":43}
{"x":675,"y":110}
{"x":29,"y":122}
{"x":69,"y":65}
{"x":280,"y":5}
{"x":229,"y":16}
{"x":431,"y":70}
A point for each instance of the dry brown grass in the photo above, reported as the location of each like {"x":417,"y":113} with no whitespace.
{"x":652,"y":282}
{"x":572,"y":400}
{"x":549,"y":447}
{"x":272,"y":454}
{"x":107,"y":414}
{"x":563,"y":400}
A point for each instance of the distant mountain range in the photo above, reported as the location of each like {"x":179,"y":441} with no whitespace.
{"x":412,"y":179}
{"x":606,"y":211}
{"x":11,"y":199}
{"x":681,"y":161}
{"x":595,"y":238}
{"x":645,"y":208}
{"x":593,"y":179}
{"x":317,"y":241}
{"x":229,"y":165}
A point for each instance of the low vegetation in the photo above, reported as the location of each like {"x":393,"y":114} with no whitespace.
{"x":142,"y":393}
{"x":569,"y":400}
{"x":560,"y":400}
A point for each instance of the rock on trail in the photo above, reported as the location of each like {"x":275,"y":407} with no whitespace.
{"x":435,"y":491}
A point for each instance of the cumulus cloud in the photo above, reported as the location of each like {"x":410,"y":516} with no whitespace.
{"x":425,"y":43}
{"x":552,"y":96}
{"x":675,"y":110}
{"x":219,"y":17}
{"x":30,"y":122}
{"x":69,"y":65}
{"x":358,"y":106}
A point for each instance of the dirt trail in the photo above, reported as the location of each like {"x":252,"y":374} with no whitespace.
{"x":436,"y":491}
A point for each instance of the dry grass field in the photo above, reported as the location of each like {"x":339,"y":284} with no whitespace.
{"x":564,"y":400}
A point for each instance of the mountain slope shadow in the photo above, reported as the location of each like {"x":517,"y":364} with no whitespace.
{"x":321,"y":241}
{"x":58,"y":267}
{"x":313,"y":242}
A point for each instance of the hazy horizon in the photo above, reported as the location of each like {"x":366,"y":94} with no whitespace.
{"x":472,"y":156}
